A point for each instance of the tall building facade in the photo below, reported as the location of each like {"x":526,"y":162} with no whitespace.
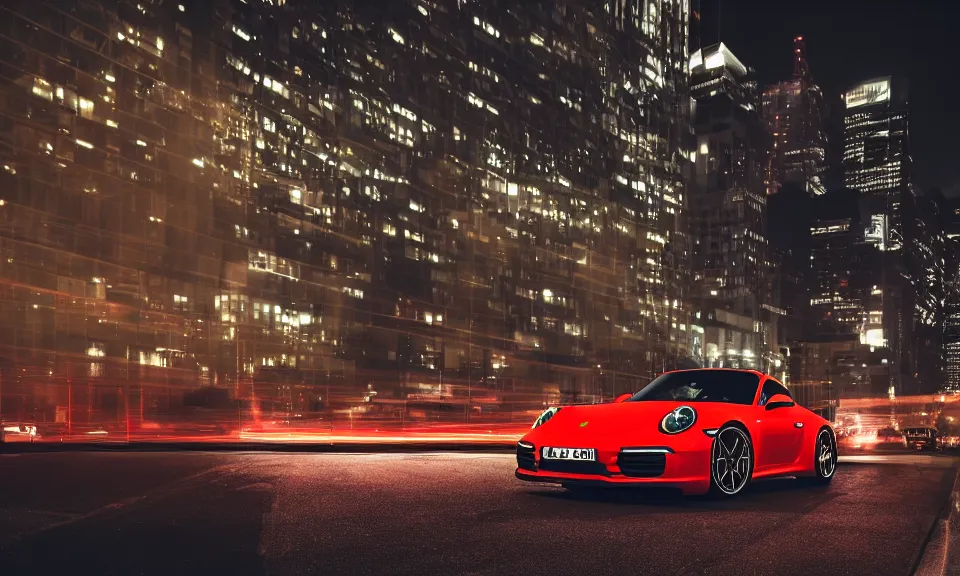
{"x":926,"y":255}
{"x":903,"y":225}
{"x":876,"y":156}
{"x":837,"y":298}
{"x":728,"y":215}
{"x":793,"y":116}
{"x":856,"y":302}
{"x":951,"y":340}
{"x":728,"y":207}
{"x":308,"y":202}
{"x":950,"y":221}
{"x":847,"y":271}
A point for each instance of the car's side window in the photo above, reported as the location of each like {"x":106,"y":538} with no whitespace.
{"x":770,"y":388}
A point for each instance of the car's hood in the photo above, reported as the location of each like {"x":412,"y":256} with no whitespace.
{"x":605,"y":420}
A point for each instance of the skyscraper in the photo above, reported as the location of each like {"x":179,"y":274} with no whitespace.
{"x":728,"y":205}
{"x":728,"y":212}
{"x":845,"y":271}
{"x":793,"y":116}
{"x":848,"y":350}
{"x":951,"y":342}
{"x":877,"y":164}
{"x":927,"y":254}
{"x":950,"y":219}
{"x":876,"y":157}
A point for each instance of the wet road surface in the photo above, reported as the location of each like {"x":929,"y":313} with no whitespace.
{"x":255,"y":513}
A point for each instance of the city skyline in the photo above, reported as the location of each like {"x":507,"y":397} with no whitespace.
{"x":457,"y":286}
{"x":358,"y":204}
{"x":762,"y":33}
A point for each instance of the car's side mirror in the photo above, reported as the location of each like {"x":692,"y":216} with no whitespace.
{"x":779,"y":401}
{"x":622,"y":398}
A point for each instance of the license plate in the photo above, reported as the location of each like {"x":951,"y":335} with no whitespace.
{"x":548,"y":453}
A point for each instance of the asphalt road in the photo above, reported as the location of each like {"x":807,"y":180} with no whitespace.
{"x":255,"y":513}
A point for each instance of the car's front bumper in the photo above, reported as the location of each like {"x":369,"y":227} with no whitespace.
{"x":685,"y":466}
{"x":922,"y":445}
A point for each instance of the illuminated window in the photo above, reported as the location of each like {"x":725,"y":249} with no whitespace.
{"x":239,"y":32}
{"x":353,"y":292}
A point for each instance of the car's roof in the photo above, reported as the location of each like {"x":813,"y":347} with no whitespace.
{"x":758,"y":373}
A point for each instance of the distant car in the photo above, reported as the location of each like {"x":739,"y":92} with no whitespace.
{"x":921,"y":438}
{"x":702,"y":431}
{"x":17,"y":432}
{"x":889,"y":435}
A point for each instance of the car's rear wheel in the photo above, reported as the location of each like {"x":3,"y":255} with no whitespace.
{"x":731,"y":461}
{"x":824,"y":457}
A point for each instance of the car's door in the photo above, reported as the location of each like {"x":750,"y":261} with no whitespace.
{"x":779,"y":428}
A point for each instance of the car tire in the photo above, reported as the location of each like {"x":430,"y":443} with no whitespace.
{"x":731,"y":461}
{"x":824,"y":457}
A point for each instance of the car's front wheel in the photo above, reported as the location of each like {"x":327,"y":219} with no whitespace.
{"x":824,"y":457}
{"x":731,"y":461}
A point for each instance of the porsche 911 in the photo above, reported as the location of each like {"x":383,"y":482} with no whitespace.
{"x":704,"y":431}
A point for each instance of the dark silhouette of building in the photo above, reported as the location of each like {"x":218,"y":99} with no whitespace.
{"x":927,"y":253}
{"x":793,"y":115}
{"x":790,"y":216}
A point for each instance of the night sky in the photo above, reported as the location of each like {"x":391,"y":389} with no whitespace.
{"x":853,"y":40}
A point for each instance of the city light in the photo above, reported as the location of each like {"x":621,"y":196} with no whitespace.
{"x":422,"y":286}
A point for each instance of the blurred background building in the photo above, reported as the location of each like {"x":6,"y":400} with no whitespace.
{"x":320,"y":205}
{"x":441,"y":210}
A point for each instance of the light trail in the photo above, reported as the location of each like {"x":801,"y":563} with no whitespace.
{"x":497,"y":436}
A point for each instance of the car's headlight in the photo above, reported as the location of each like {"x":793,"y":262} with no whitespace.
{"x":678,"y":420}
{"x":547,"y":414}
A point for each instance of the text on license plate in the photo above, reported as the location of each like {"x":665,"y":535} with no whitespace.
{"x":549,"y":453}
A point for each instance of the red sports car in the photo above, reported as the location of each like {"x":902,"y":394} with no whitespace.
{"x":702,"y":431}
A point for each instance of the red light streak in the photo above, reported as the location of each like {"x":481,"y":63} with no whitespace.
{"x":491,"y":436}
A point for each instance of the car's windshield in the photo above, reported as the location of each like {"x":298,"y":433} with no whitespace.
{"x":701,"y":386}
